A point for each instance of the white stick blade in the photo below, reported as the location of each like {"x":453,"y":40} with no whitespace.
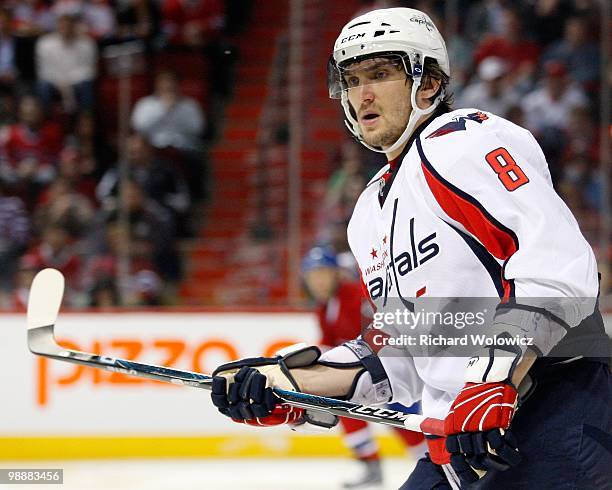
{"x":45,"y":298}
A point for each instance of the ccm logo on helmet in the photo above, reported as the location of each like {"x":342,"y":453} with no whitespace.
{"x":351,"y":37}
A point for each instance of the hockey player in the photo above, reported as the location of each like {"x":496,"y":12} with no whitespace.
{"x":464,"y":208}
{"x":341,"y":310}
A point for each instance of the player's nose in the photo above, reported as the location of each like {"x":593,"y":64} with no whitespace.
{"x":366,"y":92}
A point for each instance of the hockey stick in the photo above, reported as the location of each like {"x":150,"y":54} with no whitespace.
{"x":43,"y":309}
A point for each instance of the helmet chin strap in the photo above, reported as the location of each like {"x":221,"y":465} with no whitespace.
{"x":353,"y":125}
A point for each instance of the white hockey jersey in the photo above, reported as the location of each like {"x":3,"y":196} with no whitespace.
{"x":470,"y":211}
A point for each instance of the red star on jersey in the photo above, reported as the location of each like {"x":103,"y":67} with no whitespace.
{"x":374,"y":253}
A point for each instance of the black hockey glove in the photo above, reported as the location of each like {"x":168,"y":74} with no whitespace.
{"x":242,"y":390}
{"x":480,"y":452}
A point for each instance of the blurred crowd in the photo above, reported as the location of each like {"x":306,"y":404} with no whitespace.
{"x":536,"y":63}
{"x":71,"y":196}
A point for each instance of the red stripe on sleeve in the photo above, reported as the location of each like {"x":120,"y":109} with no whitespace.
{"x":497,"y":241}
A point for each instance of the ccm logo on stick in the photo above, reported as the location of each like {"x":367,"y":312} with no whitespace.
{"x":380,"y":412}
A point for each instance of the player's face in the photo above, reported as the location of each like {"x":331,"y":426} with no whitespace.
{"x":379,"y":92}
{"x":321,"y":283}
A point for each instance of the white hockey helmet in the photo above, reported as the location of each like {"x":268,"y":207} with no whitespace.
{"x":407,"y":33}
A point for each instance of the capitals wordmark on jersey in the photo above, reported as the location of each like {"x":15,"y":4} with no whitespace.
{"x":421,"y":250}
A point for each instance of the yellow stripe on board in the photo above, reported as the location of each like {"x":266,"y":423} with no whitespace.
{"x":225,"y":446}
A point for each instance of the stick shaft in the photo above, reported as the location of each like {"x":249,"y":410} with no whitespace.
{"x":42,"y":342}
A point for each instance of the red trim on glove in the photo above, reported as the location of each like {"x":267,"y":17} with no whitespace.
{"x":282,"y":414}
{"x":481,"y":407}
{"x":437,"y":450}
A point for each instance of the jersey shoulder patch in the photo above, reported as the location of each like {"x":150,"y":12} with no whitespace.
{"x":459,"y":120}
{"x":462,"y":135}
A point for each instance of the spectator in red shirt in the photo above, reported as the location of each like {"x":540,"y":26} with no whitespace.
{"x":196,"y":27}
{"x":520,"y":53}
{"x":76,"y":170}
{"x":29,"y":150}
{"x":141,"y":287}
{"x":62,"y":203}
{"x":58,"y":250}
{"x":152,"y":230}
{"x":342,"y":310}
{"x":88,"y":138}
{"x":192,"y":22}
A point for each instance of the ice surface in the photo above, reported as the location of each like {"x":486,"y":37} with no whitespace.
{"x":212,"y":474}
